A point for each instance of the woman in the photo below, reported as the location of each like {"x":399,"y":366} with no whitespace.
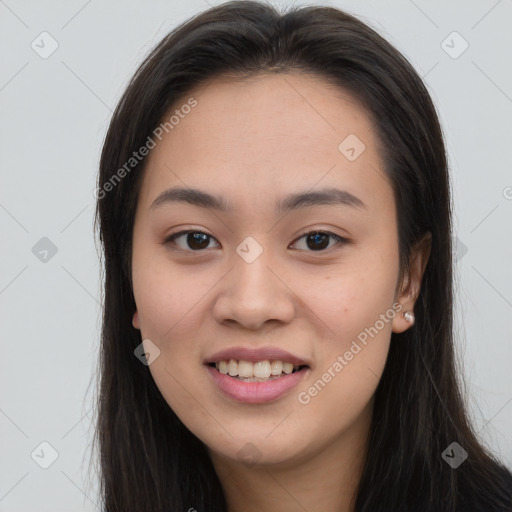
{"x":274,"y":208}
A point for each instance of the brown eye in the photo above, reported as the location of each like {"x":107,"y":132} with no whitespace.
{"x":197,"y":241}
{"x":194,"y":241}
{"x":318,"y":241}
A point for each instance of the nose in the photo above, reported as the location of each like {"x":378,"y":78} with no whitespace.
{"x":253,"y":294}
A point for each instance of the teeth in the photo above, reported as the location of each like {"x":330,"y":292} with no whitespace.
{"x":260,"y":370}
{"x":232,"y":367}
{"x":276,"y":367}
{"x":287,"y":367}
{"x":245,"y":369}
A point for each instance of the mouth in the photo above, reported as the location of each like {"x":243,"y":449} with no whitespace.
{"x":257,"y":371}
{"x":256,"y":375}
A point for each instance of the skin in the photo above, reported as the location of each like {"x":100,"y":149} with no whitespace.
{"x":310,"y":303}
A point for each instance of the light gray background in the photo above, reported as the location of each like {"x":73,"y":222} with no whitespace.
{"x":54,"y":114}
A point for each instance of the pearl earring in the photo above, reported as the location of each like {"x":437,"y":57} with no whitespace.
{"x":409,"y":316}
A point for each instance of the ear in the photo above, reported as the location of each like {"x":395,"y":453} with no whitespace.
{"x":135,"y":320}
{"x":420,"y":255}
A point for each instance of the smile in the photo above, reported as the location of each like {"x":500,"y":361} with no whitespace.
{"x":258,"y":371}
{"x":256,"y":382}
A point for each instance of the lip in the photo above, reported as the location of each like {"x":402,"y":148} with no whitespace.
{"x":256,"y":354}
{"x":256,"y":392}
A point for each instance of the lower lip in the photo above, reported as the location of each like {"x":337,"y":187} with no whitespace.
{"x":256,"y":392}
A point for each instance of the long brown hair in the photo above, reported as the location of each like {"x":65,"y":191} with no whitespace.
{"x":149,"y":461}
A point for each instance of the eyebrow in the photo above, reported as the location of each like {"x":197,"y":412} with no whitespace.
{"x":196,"y":197}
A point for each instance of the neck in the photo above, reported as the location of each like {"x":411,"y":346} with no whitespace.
{"x":324,"y":480}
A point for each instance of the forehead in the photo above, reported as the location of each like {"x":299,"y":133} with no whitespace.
{"x":261,"y":138}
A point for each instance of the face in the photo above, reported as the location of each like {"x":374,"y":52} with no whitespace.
{"x":315,"y":279}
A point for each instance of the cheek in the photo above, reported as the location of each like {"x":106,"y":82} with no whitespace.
{"x":169,"y":312}
{"x":357,"y":308}
{"x":350,"y":360}
{"x":168,"y":297}
{"x":353,"y":352}
{"x":172,"y":304}
{"x":351,"y":298}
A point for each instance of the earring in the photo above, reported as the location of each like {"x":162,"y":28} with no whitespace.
{"x":409,"y":316}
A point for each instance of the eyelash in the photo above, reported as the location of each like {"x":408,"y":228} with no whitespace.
{"x":170,"y":239}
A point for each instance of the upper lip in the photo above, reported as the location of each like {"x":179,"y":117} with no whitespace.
{"x":255,"y":354}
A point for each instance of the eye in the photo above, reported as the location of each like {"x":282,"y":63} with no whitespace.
{"x":319,"y":240}
{"x":195,"y":240}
